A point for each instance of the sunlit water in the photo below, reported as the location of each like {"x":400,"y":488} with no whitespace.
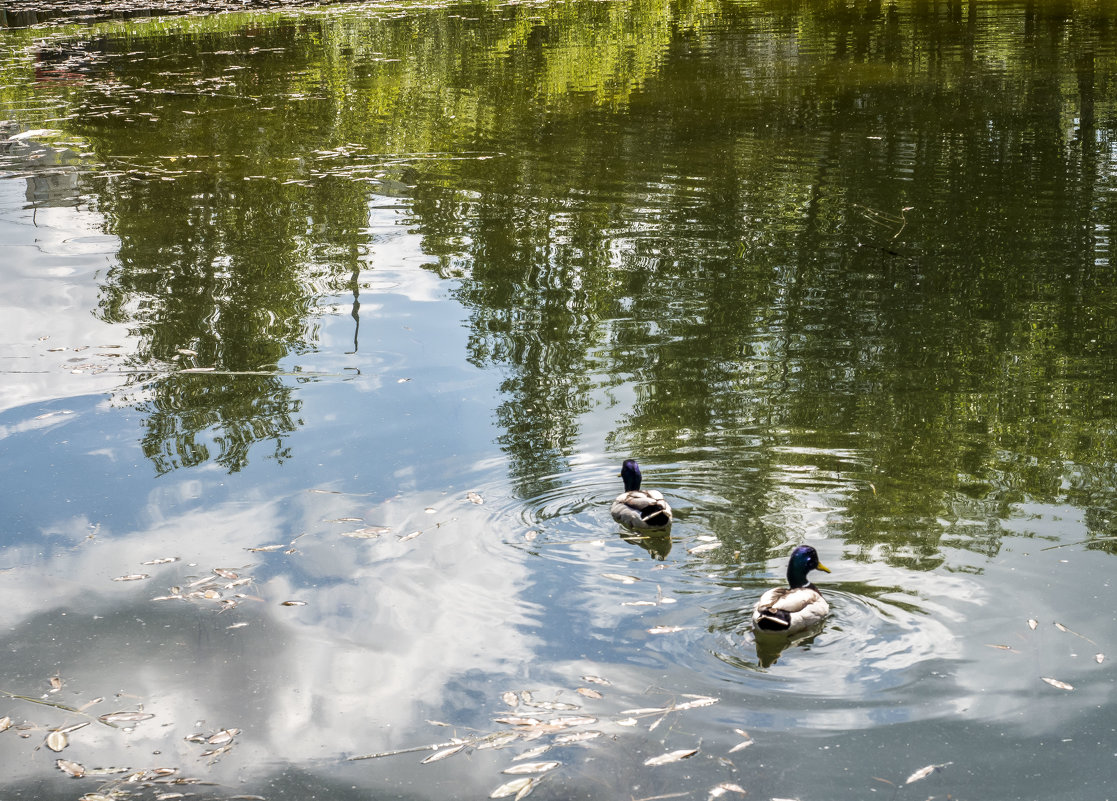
{"x":326,"y":332}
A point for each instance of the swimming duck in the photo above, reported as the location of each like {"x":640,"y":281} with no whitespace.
{"x":799,"y":606}
{"x":637,"y":508}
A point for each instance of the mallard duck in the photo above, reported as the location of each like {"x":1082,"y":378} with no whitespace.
{"x":637,"y":508}
{"x":798,"y":606}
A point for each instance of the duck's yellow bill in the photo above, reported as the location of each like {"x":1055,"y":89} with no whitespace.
{"x":823,"y":568}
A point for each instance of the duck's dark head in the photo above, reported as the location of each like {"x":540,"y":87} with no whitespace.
{"x":803,"y":560}
{"x":630,"y":472}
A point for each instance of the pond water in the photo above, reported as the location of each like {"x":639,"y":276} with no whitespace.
{"x":326,"y":330}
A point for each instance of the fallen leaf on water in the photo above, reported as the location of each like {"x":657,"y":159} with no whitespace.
{"x":589,"y":692}
{"x":410,"y":536}
{"x":726,"y":787}
{"x":924,"y":772}
{"x":645,"y":710}
{"x":55,"y":683}
{"x":513,"y":787}
{"x":532,"y":753}
{"x":627,"y":722}
{"x":1062,"y":685}
{"x":1099,"y":658}
{"x":266,"y":548}
{"x":125,"y":717}
{"x":671,"y":756}
{"x":5,"y":723}
{"x":531,"y":767}
{"x":518,"y":721}
{"x":223,"y":736}
{"x":366,"y":533}
{"x":162,"y":561}
{"x":999,"y":647}
{"x":664,"y":629}
{"x":445,"y":752}
{"x":293,"y":603}
{"x":57,"y":740}
{"x":741,"y":746}
{"x":72,"y":768}
{"x":706,"y":546}
{"x":697,"y":702}
{"x":576,"y":737}
{"x":623,"y":579}
{"x":511,"y":699}
{"x":554,"y":706}
{"x":567,"y":721}
{"x":1032,"y":623}
{"x":597,"y":680}
{"x":132,"y":577}
{"x":475,"y":498}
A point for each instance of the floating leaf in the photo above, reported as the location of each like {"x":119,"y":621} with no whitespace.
{"x":445,"y":752}
{"x":5,"y":723}
{"x":532,"y":753}
{"x":1099,"y":658}
{"x":511,"y":699}
{"x":1032,"y":623}
{"x":410,"y":536}
{"x":475,"y":498}
{"x":1062,"y":685}
{"x":513,"y":787}
{"x":531,"y":767}
{"x":623,"y":579}
{"x":518,"y":721}
{"x":223,"y":736}
{"x":627,"y":722}
{"x":924,"y":772}
{"x":589,"y":692}
{"x":726,"y":787}
{"x":597,"y":680}
{"x":226,"y":573}
{"x":132,"y":577}
{"x":162,"y":561}
{"x":293,"y":603}
{"x":367,"y":533}
{"x":57,"y":740}
{"x":554,"y":706}
{"x":55,"y":683}
{"x":671,"y":756}
{"x":72,"y":768}
{"x":665,"y":629}
{"x":704,"y":547}
{"x":125,"y":717}
{"x":576,"y":737}
{"x":697,"y":702}
{"x":741,"y":746}
{"x":645,"y":710}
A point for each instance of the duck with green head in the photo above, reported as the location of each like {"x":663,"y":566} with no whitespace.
{"x":639,"y":508}
{"x":798,"y":606}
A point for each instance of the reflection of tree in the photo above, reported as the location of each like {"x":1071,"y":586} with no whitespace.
{"x":687,"y":198}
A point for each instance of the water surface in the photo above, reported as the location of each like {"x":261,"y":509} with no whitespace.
{"x":328,"y":328}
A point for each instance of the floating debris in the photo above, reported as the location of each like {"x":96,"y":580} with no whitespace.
{"x":5,"y":723}
{"x":665,"y":629}
{"x":1062,"y":685}
{"x":1099,"y":658}
{"x":445,"y":752}
{"x":703,"y":548}
{"x":367,"y":533}
{"x":1032,"y":623}
{"x":577,"y":737}
{"x":589,"y":692}
{"x":623,"y":579}
{"x":293,"y":603}
{"x":57,"y":741}
{"x":671,"y":756}
{"x":125,"y":717}
{"x":531,"y":767}
{"x":166,"y":560}
{"x":517,"y":787}
{"x":924,"y":772}
{"x":133,"y":577}
{"x":697,"y":702}
{"x":511,"y":698}
{"x":475,"y":498}
{"x":410,"y":536}
{"x":726,"y":787}
{"x":532,"y":753}
{"x":597,"y":680}
{"x":222,"y":737}
{"x":72,"y":768}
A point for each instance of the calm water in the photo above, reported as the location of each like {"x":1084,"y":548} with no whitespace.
{"x":360,"y":308}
